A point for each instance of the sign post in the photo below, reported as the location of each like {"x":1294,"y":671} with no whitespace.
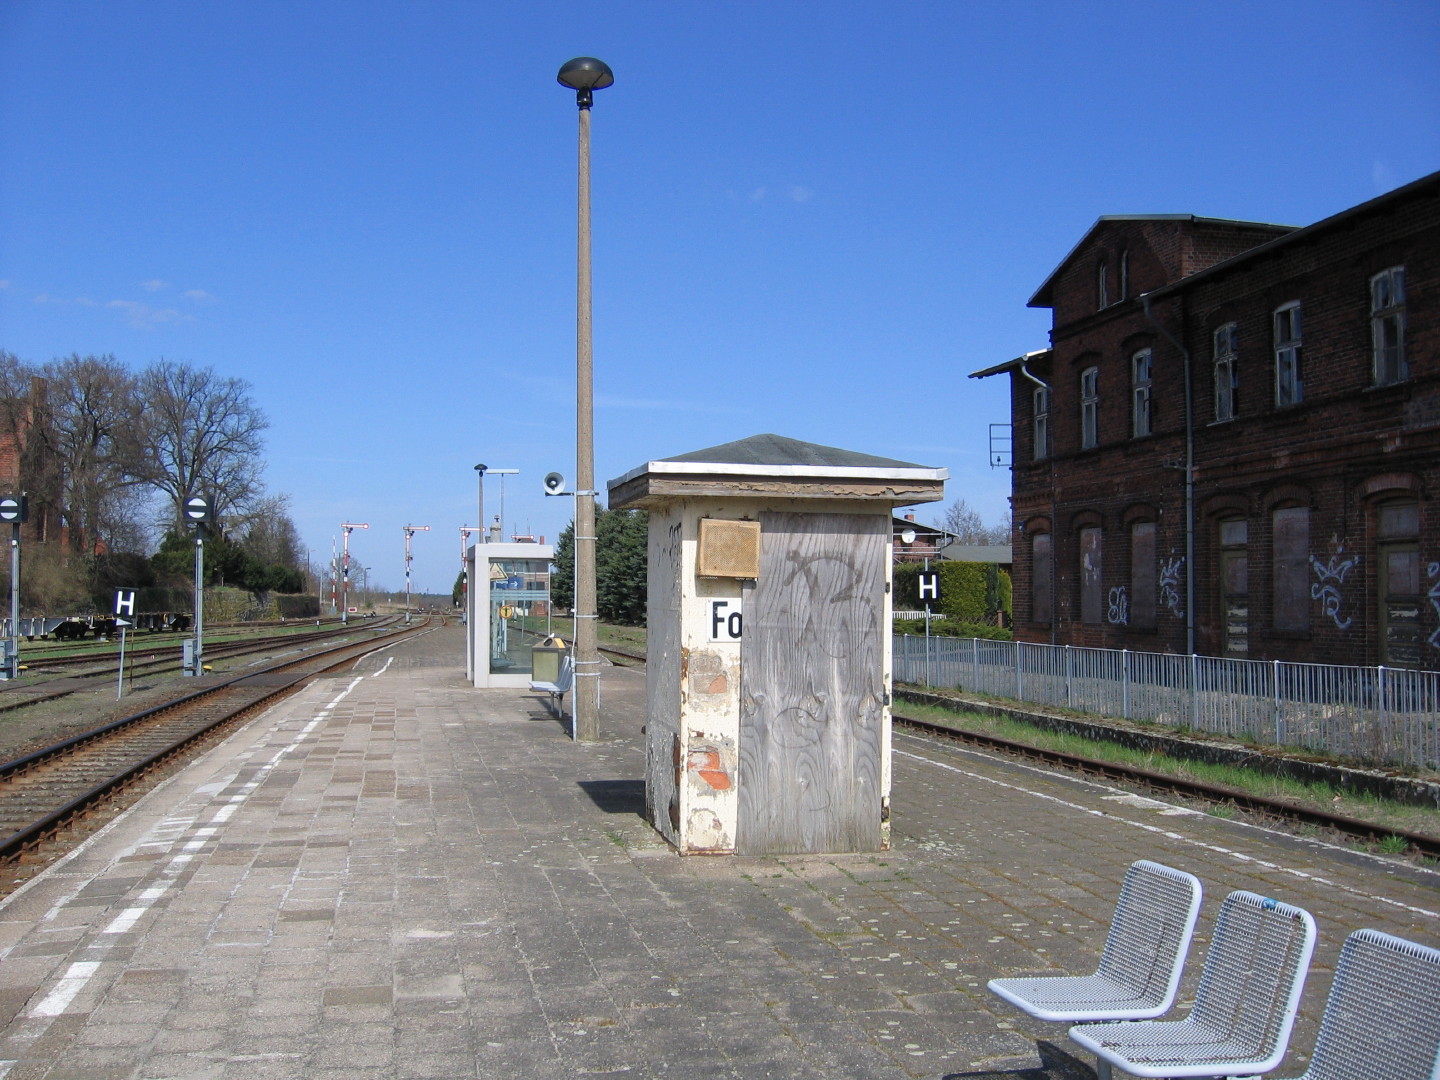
{"x":124,"y":614}
{"x":14,"y":509}
{"x":928,"y":583}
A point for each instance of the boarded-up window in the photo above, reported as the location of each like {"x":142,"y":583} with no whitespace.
{"x":1291,"y":568}
{"x":1041,"y":578}
{"x":1235,"y":585}
{"x":1142,"y":575}
{"x":1402,"y":605}
{"x":1091,"y":600}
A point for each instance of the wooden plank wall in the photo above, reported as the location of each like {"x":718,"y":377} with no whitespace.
{"x":812,"y":706}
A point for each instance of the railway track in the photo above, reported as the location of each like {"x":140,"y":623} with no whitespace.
{"x":101,"y":666}
{"x":1421,"y":844}
{"x":48,"y":792}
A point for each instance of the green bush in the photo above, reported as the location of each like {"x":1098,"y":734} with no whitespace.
{"x":969,"y":592}
{"x":951,"y":628}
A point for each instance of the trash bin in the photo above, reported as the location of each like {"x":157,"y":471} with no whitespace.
{"x":545,"y":659}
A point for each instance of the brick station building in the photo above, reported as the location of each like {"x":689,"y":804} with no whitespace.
{"x":1293,"y":375}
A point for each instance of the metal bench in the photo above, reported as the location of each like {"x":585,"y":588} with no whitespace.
{"x":557,"y":690}
{"x":1245,"y":1003}
{"x":1382,"y":1019}
{"x":1140,"y":967}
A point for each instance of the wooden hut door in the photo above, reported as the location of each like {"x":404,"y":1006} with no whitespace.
{"x":812,"y":686}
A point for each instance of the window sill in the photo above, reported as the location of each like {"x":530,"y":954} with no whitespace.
{"x":1287,"y":635}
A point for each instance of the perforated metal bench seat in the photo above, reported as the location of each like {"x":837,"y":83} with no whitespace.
{"x":1245,"y":1003}
{"x":557,"y":690}
{"x":1382,"y":1018}
{"x":1139,"y":970}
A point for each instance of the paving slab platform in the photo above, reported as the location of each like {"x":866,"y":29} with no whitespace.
{"x":392,"y":875}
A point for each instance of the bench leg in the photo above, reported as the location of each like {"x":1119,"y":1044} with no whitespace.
{"x":1102,"y":1069}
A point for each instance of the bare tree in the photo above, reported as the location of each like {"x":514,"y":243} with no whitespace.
{"x":75,"y":426}
{"x":966,"y":524}
{"x":267,"y":532}
{"x":203,"y":435}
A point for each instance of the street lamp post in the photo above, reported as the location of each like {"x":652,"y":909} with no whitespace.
{"x":585,"y":75}
{"x":480,"y":500}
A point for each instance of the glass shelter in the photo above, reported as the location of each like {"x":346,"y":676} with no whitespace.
{"x":508,"y":610}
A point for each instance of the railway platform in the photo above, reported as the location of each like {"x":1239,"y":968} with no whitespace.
{"x":392,"y":875}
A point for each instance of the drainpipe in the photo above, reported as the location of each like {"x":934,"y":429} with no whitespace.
{"x":1054,"y":510}
{"x":1189,"y":478}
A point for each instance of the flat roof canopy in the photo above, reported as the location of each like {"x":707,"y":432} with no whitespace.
{"x":776,"y":466}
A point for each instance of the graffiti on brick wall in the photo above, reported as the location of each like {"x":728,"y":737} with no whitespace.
{"x":1433,"y":571}
{"x":1330,"y":582}
{"x":1119,"y":612}
{"x":1170,"y":585}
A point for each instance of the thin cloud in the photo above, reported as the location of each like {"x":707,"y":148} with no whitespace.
{"x":144,"y":317}
{"x":154,"y":285}
{"x":199,"y":296}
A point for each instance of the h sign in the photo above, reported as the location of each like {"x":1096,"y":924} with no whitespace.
{"x":928,"y":582}
{"x":125,"y":603}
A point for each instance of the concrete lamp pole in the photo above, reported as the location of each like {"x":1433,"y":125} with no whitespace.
{"x":585,"y":75}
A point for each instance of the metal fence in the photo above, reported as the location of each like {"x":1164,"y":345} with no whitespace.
{"x":1378,"y":714}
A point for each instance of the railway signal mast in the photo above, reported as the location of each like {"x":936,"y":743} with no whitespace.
{"x":345,"y":569}
{"x":199,"y":513}
{"x":410,"y":530}
{"x":14,"y":509}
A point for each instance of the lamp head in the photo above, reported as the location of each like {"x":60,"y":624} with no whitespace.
{"x":481,"y":469}
{"x":585,"y":74}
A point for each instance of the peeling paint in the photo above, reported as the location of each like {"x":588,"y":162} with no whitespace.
{"x":705,"y":763}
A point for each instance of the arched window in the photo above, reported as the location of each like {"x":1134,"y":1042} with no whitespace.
{"x":1387,"y":326}
{"x":1092,"y":607}
{"x":1142,"y":575}
{"x":1042,"y":571}
{"x":1235,"y":585}
{"x":1226,"y":348}
{"x":1140,"y":385}
{"x":1289,"y":389}
{"x":1290,"y":568}
{"x":1102,"y":286}
{"x":1042,"y":422}
{"x":1089,"y":408}
{"x":1402,"y":584}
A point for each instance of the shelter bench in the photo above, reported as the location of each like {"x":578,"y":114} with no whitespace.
{"x":555,"y":691}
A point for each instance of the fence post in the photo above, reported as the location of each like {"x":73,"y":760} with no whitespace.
{"x":1019,"y":681}
{"x":1383,"y":719}
{"x":1194,"y":691}
{"x":1069,"y":673}
{"x":1275,"y":697}
{"x":975,"y":663}
{"x":1125,"y":683}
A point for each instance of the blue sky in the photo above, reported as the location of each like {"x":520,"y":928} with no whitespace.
{"x":809,"y":219}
